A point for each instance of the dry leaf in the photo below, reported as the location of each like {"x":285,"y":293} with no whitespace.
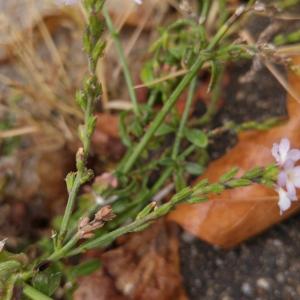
{"x":235,"y":215}
{"x":144,"y":266}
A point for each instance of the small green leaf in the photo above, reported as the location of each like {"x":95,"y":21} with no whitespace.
{"x":98,"y":50}
{"x":70,"y":181}
{"x":253,"y":173}
{"x":229,"y":175}
{"x":181,"y":195}
{"x":235,"y":183}
{"x":164,"y":129}
{"x":196,"y":137}
{"x":196,"y":199}
{"x":47,"y":281}
{"x":215,"y":72}
{"x":123,"y":130}
{"x":194,"y":168}
{"x":91,"y":123}
{"x":81,"y":100}
{"x":85,"y":268}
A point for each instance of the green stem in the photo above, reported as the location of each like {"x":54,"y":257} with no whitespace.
{"x":162,"y":114}
{"x":184,"y":118}
{"x":126,"y":167}
{"x":60,"y":253}
{"x":115,"y":36}
{"x":34,"y":294}
{"x":69,"y":209}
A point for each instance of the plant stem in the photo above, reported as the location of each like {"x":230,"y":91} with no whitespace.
{"x":162,"y":114}
{"x":184,"y":118}
{"x":126,"y":167}
{"x":69,"y":209}
{"x":59,"y":253}
{"x":116,"y":38}
{"x":34,"y":294}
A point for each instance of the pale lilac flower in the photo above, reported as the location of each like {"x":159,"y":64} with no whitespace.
{"x":67,"y":2}
{"x":284,"y":201}
{"x":289,"y":176}
{"x":283,"y":153}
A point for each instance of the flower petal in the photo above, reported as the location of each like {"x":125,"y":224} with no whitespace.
{"x":294,"y":154}
{"x":291,"y":190}
{"x":282,"y":177}
{"x":284,"y":147}
{"x":275,"y":152}
{"x":294,"y":176}
{"x":284,"y":202}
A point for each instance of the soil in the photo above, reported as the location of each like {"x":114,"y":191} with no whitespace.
{"x":268,"y":266}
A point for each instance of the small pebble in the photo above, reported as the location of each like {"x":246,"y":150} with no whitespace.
{"x":263,"y":283}
{"x":247,"y":289}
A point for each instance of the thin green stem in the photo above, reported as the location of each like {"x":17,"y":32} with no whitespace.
{"x":60,"y":253}
{"x":115,"y":36}
{"x":126,"y":167}
{"x":184,"y":118}
{"x":69,"y":209}
{"x":34,"y":294}
{"x":162,"y":114}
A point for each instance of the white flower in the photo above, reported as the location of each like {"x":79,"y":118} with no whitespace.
{"x":284,"y":201}
{"x":138,"y":1}
{"x":283,"y":154}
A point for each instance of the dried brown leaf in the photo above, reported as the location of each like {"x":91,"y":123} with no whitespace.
{"x":235,"y":215}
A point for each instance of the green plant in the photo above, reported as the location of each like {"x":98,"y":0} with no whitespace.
{"x":128,"y":193}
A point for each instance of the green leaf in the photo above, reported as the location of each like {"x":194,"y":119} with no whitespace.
{"x":147,"y":73}
{"x":196,"y":137}
{"x":235,"y":183}
{"x":164,"y":129}
{"x":81,"y":100}
{"x":194,"y":168}
{"x":98,"y":50}
{"x":85,"y":268}
{"x":70,"y":180}
{"x":229,"y":175}
{"x":215,"y":72}
{"x":123,"y":130}
{"x":47,"y":281}
{"x":253,"y":173}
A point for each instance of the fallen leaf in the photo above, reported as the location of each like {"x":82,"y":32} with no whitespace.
{"x":235,"y":215}
{"x":143,"y":266}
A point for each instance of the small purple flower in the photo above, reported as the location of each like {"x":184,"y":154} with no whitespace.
{"x":67,"y":2}
{"x":284,"y":201}
{"x":289,"y":176}
{"x":283,"y":154}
